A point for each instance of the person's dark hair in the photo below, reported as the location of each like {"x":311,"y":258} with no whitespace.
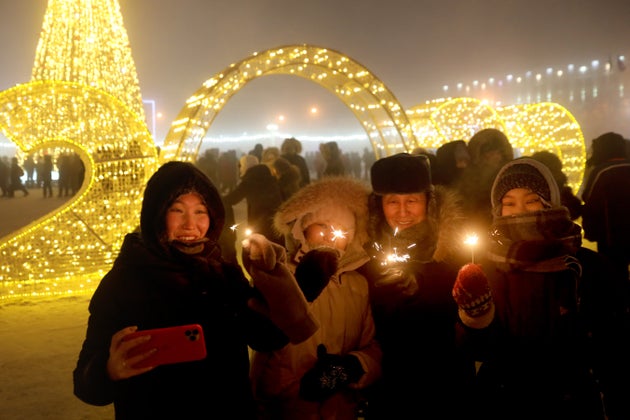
{"x":605,"y":147}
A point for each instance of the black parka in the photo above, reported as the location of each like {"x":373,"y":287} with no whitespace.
{"x":152,"y":286}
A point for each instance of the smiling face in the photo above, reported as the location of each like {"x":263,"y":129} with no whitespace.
{"x":520,"y":200}
{"x":404,"y":210}
{"x":187,"y":219}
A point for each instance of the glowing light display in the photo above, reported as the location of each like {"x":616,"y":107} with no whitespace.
{"x":377,"y":109}
{"x":84,"y":97}
{"x":530,"y":128}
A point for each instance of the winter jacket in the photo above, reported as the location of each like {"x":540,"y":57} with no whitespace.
{"x":606,"y":207}
{"x":534,"y":356}
{"x":342,"y":309}
{"x":424,"y":374}
{"x":261,"y":190}
{"x":152,"y":285}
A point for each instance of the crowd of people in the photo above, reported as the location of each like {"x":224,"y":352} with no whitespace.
{"x":37,"y":173}
{"x":356,"y":295}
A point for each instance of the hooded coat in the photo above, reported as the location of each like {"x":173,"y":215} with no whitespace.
{"x":153,"y":285}
{"x":342,"y":309}
{"x":535,"y":360}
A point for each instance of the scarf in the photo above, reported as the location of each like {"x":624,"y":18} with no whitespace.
{"x":542,"y":241}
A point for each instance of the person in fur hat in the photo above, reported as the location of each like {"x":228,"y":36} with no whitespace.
{"x":540,"y":329}
{"x":171,"y":273}
{"x":416,"y":241}
{"x":324,"y":224}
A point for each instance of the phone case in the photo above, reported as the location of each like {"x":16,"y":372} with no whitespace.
{"x":178,"y":344}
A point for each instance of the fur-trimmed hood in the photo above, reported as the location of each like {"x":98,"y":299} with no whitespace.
{"x":444,"y":216}
{"x":326,"y":193}
{"x":171,"y":180}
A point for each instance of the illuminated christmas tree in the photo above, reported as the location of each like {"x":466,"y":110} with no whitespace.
{"x":83,"y":99}
{"x":85,"y":41}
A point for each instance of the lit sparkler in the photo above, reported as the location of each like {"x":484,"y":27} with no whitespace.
{"x":248,"y":231}
{"x":471,"y":241}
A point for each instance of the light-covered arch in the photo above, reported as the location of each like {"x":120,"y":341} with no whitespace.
{"x":548,"y":126}
{"x":530,"y":128}
{"x":69,"y":250}
{"x":373,"y":104}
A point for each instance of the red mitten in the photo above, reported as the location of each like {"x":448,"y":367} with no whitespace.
{"x":472,"y":293}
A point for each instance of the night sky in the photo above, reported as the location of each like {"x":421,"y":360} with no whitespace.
{"x":413,"y":46}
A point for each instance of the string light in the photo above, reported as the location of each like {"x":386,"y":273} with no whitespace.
{"x":382,"y":117}
{"x":84,"y":98}
{"x":530,"y":128}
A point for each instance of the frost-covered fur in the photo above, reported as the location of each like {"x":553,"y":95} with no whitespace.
{"x":444,"y":215}
{"x":328,"y":192}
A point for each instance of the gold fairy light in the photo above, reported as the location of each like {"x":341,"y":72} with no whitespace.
{"x":83,"y":99}
{"x":530,"y":128}
{"x":377,"y":109}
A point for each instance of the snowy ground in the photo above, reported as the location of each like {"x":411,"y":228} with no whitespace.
{"x":40,"y":342}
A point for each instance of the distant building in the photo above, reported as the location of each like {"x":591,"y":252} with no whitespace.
{"x":596,"y":94}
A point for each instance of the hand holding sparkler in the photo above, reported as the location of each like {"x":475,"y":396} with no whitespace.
{"x":473,"y":296}
{"x":392,"y":272}
{"x":283,"y":301}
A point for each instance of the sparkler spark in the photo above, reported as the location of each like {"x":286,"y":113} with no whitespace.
{"x":471,"y":240}
{"x":248,"y":231}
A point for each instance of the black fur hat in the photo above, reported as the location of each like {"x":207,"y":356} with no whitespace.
{"x":401,"y":173}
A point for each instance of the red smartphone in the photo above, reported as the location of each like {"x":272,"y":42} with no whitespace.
{"x":183,"y":343}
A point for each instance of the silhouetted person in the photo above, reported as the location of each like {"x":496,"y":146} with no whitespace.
{"x":291,"y":149}
{"x":489,"y":150}
{"x":257,"y":151}
{"x":64,"y":183}
{"x":29,"y":168}
{"x":567,"y":198}
{"x":332,"y":156}
{"x":5,"y":170}
{"x":260,"y":189}
{"x":45,"y":175}
{"x":16,"y":174}
{"x":451,"y":160}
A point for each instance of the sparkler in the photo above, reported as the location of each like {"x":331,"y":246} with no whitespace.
{"x":336,"y":233}
{"x":393,"y":257}
{"x":248,"y":231}
{"x":471,"y":241}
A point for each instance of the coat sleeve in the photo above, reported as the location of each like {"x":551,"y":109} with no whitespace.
{"x":369,"y":351}
{"x":91,"y":382}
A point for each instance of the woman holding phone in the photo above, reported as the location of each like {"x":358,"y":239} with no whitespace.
{"x":170,"y":273}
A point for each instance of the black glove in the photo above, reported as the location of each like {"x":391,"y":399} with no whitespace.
{"x":314,"y":270}
{"x":330,"y":374}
